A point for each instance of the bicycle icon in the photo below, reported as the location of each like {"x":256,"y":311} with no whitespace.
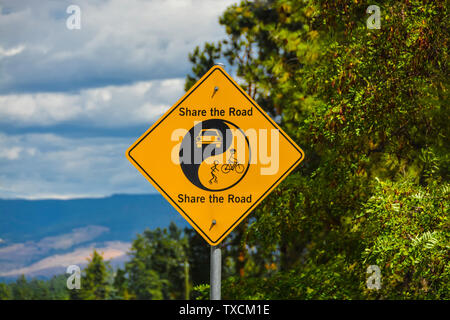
{"x":233,"y":164}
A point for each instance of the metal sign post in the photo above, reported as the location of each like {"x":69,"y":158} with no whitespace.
{"x":215,"y":272}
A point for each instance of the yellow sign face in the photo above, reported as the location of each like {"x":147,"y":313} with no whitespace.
{"x":215,"y":155}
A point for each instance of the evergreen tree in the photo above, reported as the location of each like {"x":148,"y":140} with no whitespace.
{"x":5,"y":292}
{"x":95,"y":279}
{"x":143,"y":282}
{"x":58,"y":287}
{"x":120,"y":284}
{"x":198,"y":255}
{"x":21,"y":289}
{"x":370,"y":109}
{"x":157,"y":267}
{"x":39,"y":290}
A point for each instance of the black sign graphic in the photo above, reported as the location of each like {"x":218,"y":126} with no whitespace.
{"x":215,"y":155}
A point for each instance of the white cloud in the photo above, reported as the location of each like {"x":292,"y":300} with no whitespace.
{"x":110,"y":106}
{"x":123,"y":69}
{"x":11,"y":51}
{"x":61,"y":167}
{"x":10,"y":154}
{"x":119,"y":41}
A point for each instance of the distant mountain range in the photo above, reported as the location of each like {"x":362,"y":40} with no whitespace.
{"x":40,"y":238}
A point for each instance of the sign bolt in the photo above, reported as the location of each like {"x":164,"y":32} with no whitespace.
{"x":215,"y":90}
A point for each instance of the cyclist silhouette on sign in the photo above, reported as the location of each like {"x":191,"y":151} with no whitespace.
{"x":232,"y":158}
{"x":233,"y":164}
{"x":214,"y":170}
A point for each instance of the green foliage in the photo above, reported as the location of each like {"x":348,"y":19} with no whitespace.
{"x":58,"y":287}
{"x":203,"y":61}
{"x":156,"y":269}
{"x":370,"y":109}
{"x":95,"y":280}
{"x":198,"y":255}
{"x":5,"y":292}
{"x":201,"y":292}
{"x":405,"y":229}
{"x":22,"y":289}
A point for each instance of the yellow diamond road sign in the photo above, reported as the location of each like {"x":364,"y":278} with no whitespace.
{"x":215,"y":155}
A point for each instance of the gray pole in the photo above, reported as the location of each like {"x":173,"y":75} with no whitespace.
{"x":216,"y":272}
{"x":216,"y":257}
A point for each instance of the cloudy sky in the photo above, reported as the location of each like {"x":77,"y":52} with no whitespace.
{"x":72,"y":101}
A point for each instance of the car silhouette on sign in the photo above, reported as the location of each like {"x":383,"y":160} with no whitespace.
{"x":208,"y":136}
